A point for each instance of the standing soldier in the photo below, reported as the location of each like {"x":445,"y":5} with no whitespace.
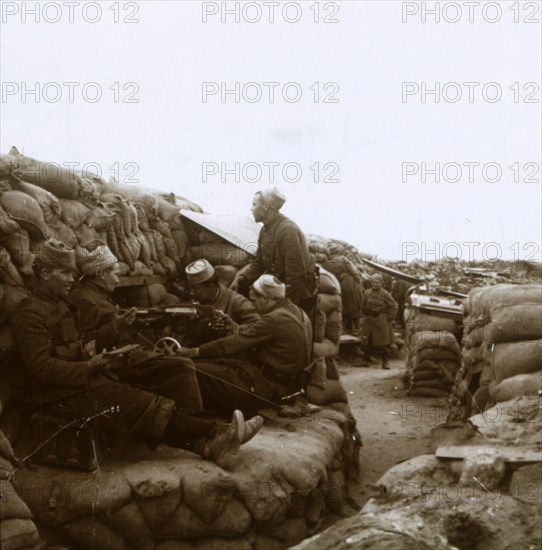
{"x":282,"y":252}
{"x":379,"y":310}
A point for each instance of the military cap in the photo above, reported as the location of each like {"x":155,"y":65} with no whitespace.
{"x":270,"y":286}
{"x":55,"y":254}
{"x":272,"y":197}
{"x":199,"y":272}
{"x":95,"y":261}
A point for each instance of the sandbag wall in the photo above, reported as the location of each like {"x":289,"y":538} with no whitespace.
{"x":40,"y":200}
{"x":17,"y":528}
{"x":433,"y":354}
{"x":503,"y":342}
{"x":327,"y":387}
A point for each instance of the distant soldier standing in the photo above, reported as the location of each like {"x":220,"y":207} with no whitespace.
{"x":379,"y":310}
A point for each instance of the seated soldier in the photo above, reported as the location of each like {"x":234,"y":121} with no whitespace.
{"x":101,"y":322}
{"x":207,"y":290}
{"x":67,"y":383}
{"x":280,"y":343}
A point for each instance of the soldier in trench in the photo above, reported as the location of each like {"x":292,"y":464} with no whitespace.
{"x":68,"y":382}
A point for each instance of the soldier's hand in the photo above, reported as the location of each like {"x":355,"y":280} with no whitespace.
{"x":222,"y":321}
{"x":126,"y":319}
{"x":100,"y":363}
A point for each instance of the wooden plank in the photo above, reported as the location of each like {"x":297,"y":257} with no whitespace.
{"x":509,"y":454}
{"x":349,"y":339}
{"x":393,"y":272}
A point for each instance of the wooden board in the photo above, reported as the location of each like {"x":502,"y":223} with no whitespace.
{"x":393,"y":272}
{"x":509,"y":454}
{"x":349,"y":339}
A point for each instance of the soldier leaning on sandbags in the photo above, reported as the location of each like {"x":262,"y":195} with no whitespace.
{"x":282,"y":252}
{"x":66,"y":383}
{"x":281,"y":342}
{"x":379,"y":310}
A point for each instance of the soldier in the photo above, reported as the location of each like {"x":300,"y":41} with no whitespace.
{"x":281,"y":340}
{"x":282,"y":251}
{"x":207,"y":290}
{"x":68,"y":383}
{"x":100,"y":321}
{"x":379,"y":309}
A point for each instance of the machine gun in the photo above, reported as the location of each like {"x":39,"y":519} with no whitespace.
{"x":190,"y":323}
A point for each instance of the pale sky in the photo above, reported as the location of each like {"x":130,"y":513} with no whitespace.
{"x":359,"y":160}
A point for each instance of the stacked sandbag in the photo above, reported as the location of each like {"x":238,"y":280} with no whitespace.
{"x":17,"y":528}
{"x":503,"y":341}
{"x":279,"y":488}
{"x":325,"y":386}
{"x":433,"y":355}
{"x":40,"y":200}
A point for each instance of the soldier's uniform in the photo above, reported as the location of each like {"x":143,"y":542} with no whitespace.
{"x":239,"y":308}
{"x":173,"y":377}
{"x":62,"y":381}
{"x":283,"y":252}
{"x":280,"y":344}
{"x":379,"y":310}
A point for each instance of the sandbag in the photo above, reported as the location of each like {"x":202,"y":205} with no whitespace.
{"x":319,"y":329}
{"x":517,"y":386}
{"x":147,"y":203}
{"x":334,"y":392}
{"x":327,"y":282}
{"x":60,"y":181}
{"x":144,"y":249}
{"x":60,"y":231}
{"x":18,"y":534}
{"x":18,"y":246}
{"x":73,"y":213}
{"x":508,"y":294}
{"x":160,"y":246}
{"x":423,"y":322}
{"x":430,"y":339}
{"x":333,"y":328}
{"x":8,"y":272}
{"x":226,"y":274}
{"x":8,"y":163}
{"x":101,"y":217}
{"x":513,"y":323}
{"x":220,"y":254}
{"x":12,"y":505}
{"x":513,"y":358}
{"x":7,"y":224}
{"x":327,"y":348}
{"x":49,"y":204}
{"x":329,"y":303}
{"x":13,"y":296}
{"x":181,"y":240}
{"x":26,"y":212}
{"x":88,"y":237}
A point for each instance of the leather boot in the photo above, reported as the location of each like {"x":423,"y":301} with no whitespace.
{"x":252,"y":427}
{"x":385,"y":361}
{"x":223,"y":447}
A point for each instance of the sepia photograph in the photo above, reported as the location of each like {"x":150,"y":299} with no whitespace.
{"x":270,"y":275}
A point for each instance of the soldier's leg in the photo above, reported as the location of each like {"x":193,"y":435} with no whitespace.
{"x":123,"y":409}
{"x":384,"y":355}
{"x":173,"y":377}
{"x":228,"y":386}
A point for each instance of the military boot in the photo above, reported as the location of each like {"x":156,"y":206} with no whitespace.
{"x":385,"y":360}
{"x":222,"y":448}
{"x":252,"y":427}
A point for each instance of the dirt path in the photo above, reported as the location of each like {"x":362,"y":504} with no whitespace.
{"x":393,"y":426}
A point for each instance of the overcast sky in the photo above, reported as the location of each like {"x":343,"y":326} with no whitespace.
{"x":349,"y":111}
